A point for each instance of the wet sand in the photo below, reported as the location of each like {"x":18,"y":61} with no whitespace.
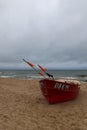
{"x":23,"y":107}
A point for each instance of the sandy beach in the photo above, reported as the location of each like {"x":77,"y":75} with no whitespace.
{"x":23,"y":107}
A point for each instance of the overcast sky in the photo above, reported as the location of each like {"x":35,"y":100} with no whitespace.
{"x":52,"y":33}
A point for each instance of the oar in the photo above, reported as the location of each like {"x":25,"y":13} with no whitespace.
{"x":45,"y":71}
{"x":33,"y":66}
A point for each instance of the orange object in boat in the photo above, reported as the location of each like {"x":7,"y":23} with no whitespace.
{"x":42,"y":68}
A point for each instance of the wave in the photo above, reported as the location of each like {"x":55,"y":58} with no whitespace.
{"x":22,"y":77}
{"x":23,"y":74}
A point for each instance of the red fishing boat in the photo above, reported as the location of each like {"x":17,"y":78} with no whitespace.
{"x":59,"y":90}
{"x":56,"y":90}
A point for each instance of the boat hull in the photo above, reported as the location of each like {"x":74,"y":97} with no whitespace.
{"x":57,"y":91}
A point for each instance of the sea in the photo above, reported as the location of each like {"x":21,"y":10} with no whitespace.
{"x":31,"y":74}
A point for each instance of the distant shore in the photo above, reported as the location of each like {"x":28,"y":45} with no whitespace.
{"x":23,"y":107}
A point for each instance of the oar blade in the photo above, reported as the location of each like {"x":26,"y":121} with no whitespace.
{"x":42,"y":68}
{"x":29,"y":63}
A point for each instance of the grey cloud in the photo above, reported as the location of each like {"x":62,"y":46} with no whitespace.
{"x":50,"y":32}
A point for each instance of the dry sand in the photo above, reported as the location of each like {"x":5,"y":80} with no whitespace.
{"x":23,"y":107}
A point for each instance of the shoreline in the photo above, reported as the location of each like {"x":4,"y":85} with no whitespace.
{"x":30,"y":74}
{"x":37,"y":79}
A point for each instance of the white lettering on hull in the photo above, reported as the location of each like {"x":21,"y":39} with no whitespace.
{"x":61,"y":86}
